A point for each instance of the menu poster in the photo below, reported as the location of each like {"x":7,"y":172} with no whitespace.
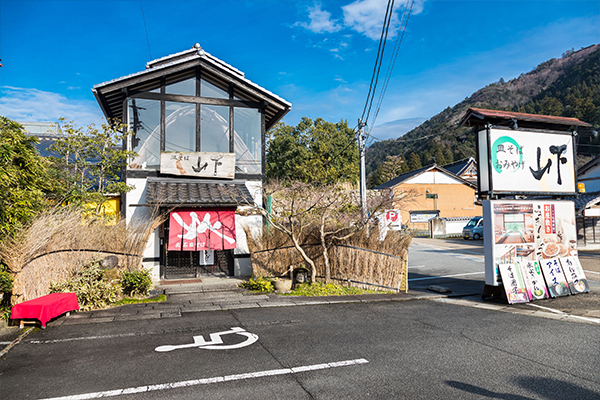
{"x":534,"y":280}
{"x":514,"y":285}
{"x":574,"y":274}
{"x":555,"y":278}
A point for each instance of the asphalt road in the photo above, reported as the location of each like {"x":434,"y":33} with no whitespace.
{"x":411,"y":349}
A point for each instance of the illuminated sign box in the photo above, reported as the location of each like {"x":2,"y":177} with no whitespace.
{"x":525,"y":162}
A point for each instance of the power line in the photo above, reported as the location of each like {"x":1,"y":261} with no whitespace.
{"x":389,"y":12}
{"x":145,"y":29}
{"x":388,"y":76}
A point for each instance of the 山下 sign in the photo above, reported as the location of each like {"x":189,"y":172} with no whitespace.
{"x":528,"y":162}
{"x":201,"y":165}
{"x":202,"y":229}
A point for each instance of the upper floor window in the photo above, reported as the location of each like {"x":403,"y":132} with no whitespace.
{"x":176,"y":117}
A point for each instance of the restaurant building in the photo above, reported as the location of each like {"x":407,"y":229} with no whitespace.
{"x":198,"y":130}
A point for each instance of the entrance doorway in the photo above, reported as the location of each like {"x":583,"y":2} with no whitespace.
{"x":187,"y":264}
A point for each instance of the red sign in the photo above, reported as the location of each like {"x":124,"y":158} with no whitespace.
{"x":202,"y":229}
{"x":391,"y":216}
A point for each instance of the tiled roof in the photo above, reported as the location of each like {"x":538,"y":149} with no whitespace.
{"x":479,"y":115}
{"x":193,"y":192}
{"x":458,"y":167}
{"x":404,"y":177}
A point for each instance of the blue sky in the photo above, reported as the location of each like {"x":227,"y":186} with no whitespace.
{"x":317,"y":55}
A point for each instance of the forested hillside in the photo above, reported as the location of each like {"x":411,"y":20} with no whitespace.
{"x":568,"y":86}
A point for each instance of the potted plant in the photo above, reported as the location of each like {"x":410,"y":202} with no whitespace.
{"x":282,"y":284}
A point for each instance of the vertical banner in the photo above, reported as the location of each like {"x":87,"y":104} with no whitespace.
{"x":555,"y":278}
{"x":514,"y":284}
{"x":202,"y":229}
{"x":534,"y":280}
{"x":574,"y":273}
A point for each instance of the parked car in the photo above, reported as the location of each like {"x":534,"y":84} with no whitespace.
{"x":474,"y":229}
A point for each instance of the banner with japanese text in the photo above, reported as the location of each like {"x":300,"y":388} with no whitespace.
{"x":202,"y":229}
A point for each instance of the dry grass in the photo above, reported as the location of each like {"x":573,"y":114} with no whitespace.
{"x":272,"y":254}
{"x":58,"y":242}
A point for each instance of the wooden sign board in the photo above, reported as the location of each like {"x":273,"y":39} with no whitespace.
{"x":200,"y":165}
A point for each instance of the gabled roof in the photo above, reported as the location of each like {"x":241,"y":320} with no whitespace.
{"x":588,"y":165}
{"x":404,"y":177}
{"x":480,"y":116}
{"x":110,"y":94}
{"x":460,"y":166}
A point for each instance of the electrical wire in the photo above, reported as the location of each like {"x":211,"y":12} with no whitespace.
{"x":389,"y":12}
{"x":145,"y":29}
{"x":386,"y":81}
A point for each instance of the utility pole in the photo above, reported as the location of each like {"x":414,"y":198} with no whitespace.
{"x":363,"y":175}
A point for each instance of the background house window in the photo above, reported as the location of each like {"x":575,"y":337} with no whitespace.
{"x":144,"y":122}
{"x":180,"y":126}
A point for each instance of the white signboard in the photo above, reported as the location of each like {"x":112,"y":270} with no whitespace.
{"x":393,"y":219}
{"x":575,"y":275}
{"x":201,"y":165}
{"x":526,"y":230}
{"x":416,"y":218}
{"x":206,"y":257}
{"x":526,"y":162}
{"x":555,"y":278}
{"x":534,"y":280}
{"x":514,"y":284}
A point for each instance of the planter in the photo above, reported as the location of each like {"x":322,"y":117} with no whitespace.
{"x":283,"y":284}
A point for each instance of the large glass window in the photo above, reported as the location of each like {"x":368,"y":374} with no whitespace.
{"x":214,"y":128}
{"x":144,"y":122}
{"x":247,"y":140}
{"x":180,"y":126}
{"x":187,"y":87}
{"x":207,"y":89}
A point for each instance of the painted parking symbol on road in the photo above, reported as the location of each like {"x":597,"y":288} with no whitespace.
{"x":215,"y":343}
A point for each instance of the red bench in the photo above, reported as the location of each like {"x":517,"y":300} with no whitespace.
{"x":45,"y":308}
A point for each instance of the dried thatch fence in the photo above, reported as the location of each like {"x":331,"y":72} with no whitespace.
{"x":356,"y":266}
{"x":59,"y":242}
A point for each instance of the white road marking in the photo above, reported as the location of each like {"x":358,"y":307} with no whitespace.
{"x":417,"y":266}
{"x":595,"y":320}
{"x":215,"y":343}
{"x":207,"y":381}
{"x":445,"y":276}
{"x":592,"y":272}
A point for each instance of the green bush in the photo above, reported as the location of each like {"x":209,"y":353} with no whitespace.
{"x":6,"y":280}
{"x":136,"y":283}
{"x":94,"y":289}
{"x":258,"y":284}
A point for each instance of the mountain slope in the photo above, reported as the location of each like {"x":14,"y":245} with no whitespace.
{"x":568,"y":86}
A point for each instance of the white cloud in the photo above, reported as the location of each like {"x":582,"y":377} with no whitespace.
{"x":320,"y":21}
{"x":366,"y":17}
{"x":33,"y":105}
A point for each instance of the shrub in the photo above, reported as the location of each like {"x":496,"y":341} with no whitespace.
{"x":136,"y":283}
{"x":6,"y":280}
{"x":259,"y":284}
{"x":94,"y":289}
